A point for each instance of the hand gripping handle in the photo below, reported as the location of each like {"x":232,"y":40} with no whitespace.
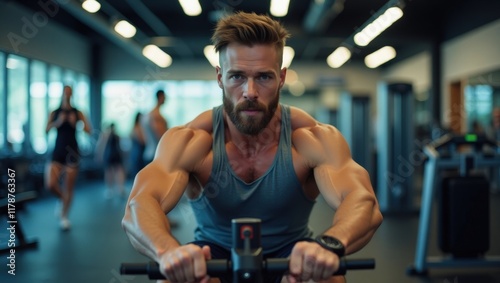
{"x":217,"y":267}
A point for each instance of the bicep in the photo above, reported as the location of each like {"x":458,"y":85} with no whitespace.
{"x":335,"y":172}
{"x":336,"y":183}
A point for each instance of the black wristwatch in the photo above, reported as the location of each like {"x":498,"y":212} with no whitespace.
{"x":332,"y":244}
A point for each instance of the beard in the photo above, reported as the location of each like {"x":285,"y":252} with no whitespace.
{"x":250,"y":125}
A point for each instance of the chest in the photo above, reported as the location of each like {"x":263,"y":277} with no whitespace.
{"x":248,"y":163}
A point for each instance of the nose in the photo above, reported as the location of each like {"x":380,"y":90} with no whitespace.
{"x":250,"y":92}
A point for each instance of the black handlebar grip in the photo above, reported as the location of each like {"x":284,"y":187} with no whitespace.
{"x":133,"y":268}
{"x":352,"y":264}
{"x":215,"y":267}
{"x":218,"y":267}
{"x":151,"y":269}
{"x":276,"y":265}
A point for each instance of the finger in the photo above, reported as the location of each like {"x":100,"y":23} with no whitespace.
{"x":295,"y":264}
{"x":320,"y":270}
{"x":171,"y":269}
{"x":207,"y":252}
{"x":199,"y":262}
{"x":167,"y":271}
{"x":188,"y":274}
{"x":177,"y":270}
{"x":308,"y":265}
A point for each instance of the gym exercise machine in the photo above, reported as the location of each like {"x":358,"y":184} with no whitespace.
{"x":395,"y":146}
{"x":247,"y":263}
{"x":465,"y":153}
{"x":354,"y":123}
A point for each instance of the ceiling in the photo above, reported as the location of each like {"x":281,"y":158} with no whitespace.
{"x":425,"y":23}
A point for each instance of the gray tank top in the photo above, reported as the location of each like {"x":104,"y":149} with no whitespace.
{"x":276,"y":197}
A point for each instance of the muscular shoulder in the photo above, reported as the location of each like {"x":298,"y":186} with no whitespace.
{"x":317,"y":142}
{"x":183,"y":147}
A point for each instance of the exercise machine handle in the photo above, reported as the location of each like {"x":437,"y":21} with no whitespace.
{"x":218,"y":267}
{"x":215,"y":267}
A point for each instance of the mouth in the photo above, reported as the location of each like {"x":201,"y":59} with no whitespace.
{"x":250,"y":112}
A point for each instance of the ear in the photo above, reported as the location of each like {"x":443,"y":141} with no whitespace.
{"x":282,"y":77}
{"x":219,"y":76}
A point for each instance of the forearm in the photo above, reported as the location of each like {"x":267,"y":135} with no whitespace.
{"x":147,"y":228}
{"x":356,"y":220}
{"x":54,"y":124}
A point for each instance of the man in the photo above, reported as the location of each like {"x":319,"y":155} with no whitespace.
{"x":251,"y":157}
{"x":154,"y":126}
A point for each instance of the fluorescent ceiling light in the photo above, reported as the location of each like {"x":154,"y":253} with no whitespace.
{"x":191,"y":7}
{"x":338,"y":57}
{"x":157,"y":56}
{"x":211,"y":55}
{"x":91,"y":6}
{"x":279,"y":8}
{"x":376,"y":27}
{"x":380,"y":56}
{"x":288,"y":54}
{"x":125,"y":29}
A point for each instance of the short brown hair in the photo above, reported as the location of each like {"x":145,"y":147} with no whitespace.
{"x":249,"y":29}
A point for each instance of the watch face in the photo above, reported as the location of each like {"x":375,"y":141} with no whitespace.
{"x":332,"y":242}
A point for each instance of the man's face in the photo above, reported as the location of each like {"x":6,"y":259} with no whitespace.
{"x":161,"y":98}
{"x":251,"y":80}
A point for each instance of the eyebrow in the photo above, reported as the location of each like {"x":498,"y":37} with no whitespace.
{"x":239,"y":72}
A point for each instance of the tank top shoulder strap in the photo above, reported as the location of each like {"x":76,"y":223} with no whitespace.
{"x":218,"y":138}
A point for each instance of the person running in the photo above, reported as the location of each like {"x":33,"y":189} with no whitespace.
{"x":65,"y":158}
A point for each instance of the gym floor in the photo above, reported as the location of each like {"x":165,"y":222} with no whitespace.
{"x":96,"y":245}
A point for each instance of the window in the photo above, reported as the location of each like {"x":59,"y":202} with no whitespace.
{"x":185,"y":100}
{"x":55,"y":92}
{"x":55,"y":87}
{"x":17,"y":101}
{"x":81,"y":100}
{"x":478,"y":106}
{"x":38,"y":102}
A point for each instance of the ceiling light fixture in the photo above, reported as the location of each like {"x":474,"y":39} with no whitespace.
{"x":211,"y":55}
{"x":125,"y":29}
{"x":191,"y":7}
{"x":288,"y":54}
{"x":338,"y":57}
{"x":380,"y":56}
{"x":279,"y":8}
{"x":381,"y":23}
{"x":157,"y":56}
{"x":91,"y":6}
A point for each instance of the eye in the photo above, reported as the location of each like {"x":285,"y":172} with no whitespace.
{"x":236,"y":77}
{"x":265,"y":77}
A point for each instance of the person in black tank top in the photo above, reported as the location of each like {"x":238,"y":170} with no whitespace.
{"x":65,"y":158}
